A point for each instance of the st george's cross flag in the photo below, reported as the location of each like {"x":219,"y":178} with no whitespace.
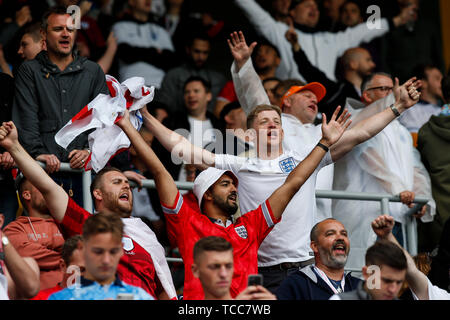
{"x":101,"y":113}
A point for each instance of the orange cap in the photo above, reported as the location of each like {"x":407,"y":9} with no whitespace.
{"x":315,"y":87}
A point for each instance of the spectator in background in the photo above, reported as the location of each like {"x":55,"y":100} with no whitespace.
{"x":387,"y":163}
{"x":197,"y":53}
{"x":50,"y":90}
{"x":329,"y":15}
{"x":235,"y":140}
{"x":198,"y":124}
{"x":384,"y":274}
{"x":71,"y":264}
{"x":433,"y":139}
{"x":330,"y":244}
{"x":172,"y":16}
{"x":279,"y":9}
{"x":144,"y":48}
{"x":102,"y":250}
{"x":269,"y":85}
{"x":356,"y":64}
{"x":11,"y":27}
{"x":19,"y":276}
{"x":266,"y":59}
{"x":430,"y":101}
{"x":35,"y":234}
{"x":8,"y":196}
{"x":214,"y":266}
{"x":418,"y":41}
{"x":32,"y":42}
{"x":321,"y":48}
{"x":349,"y":15}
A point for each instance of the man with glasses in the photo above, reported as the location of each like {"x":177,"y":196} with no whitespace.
{"x":387,"y":163}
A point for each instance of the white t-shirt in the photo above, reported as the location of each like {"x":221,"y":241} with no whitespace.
{"x":434,"y":293}
{"x":296,"y":133}
{"x":258,"y":179}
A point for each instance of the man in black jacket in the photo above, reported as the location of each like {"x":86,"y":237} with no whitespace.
{"x":326,"y":276}
{"x":50,"y":90}
{"x":8,"y":199}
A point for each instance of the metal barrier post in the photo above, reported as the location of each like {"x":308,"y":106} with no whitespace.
{"x":87,"y":199}
{"x":385,"y":206}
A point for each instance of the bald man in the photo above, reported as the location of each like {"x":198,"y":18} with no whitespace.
{"x":355,"y":64}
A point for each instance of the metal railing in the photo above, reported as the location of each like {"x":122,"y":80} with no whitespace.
{"x":409,"y":228}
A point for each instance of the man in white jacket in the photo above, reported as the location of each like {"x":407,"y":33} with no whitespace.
{"x":387,"y":163}
{"x":321,"y":48}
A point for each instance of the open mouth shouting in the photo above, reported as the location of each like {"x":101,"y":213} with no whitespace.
{"x":339,"y":248}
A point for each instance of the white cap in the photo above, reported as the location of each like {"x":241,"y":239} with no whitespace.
{"x":206,"y":179}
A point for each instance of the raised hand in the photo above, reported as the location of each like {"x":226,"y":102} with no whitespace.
{"x":8,"y":135}
{"x":240,"y":51}
{"x":124,"y":119}
{"x":383,"y":225}
{"x":292,"y":37}
{"x":407,"y":95}
{"x":333,"y":130}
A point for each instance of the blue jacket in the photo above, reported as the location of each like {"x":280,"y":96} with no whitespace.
{"x":91,"y":290}
{"x":304,"y":284}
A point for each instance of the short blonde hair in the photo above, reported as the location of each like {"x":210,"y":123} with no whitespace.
{"x":258,"y":109}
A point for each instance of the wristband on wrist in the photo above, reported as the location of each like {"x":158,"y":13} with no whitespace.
{"x":324,"y":147}
{"x":394,"y":110}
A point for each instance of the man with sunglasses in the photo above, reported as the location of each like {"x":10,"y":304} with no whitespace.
{"x":387,"y":163}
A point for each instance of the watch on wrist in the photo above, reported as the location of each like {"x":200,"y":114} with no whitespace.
{"x":5,"y":240}
{"x":394,"y":110}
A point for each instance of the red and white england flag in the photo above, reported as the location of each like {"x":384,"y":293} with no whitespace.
{"x":101,"y":113}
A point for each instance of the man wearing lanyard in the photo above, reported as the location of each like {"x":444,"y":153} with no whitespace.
{"x":330,"y":244}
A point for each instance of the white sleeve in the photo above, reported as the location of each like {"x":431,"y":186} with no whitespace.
{"x":263,"y":22}
{"x":370,"y":110}
{"x":352,"y":37}
{"x":229,"y":162}
{"x":434,"y":293}
{"x":248,"y":87}
{"x":422,"y":186}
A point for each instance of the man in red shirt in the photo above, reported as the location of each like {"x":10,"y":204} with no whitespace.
{"x":143,"y":263}
{"x":216,"y":192}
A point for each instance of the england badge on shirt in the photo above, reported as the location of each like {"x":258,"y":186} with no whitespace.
{"x":287,"y":165}
{"x":241,"y":231}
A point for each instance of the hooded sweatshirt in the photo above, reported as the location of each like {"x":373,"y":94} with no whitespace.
{"x":42,"y":240}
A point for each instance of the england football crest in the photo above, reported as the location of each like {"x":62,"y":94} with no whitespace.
{"x":287,"y":165}
{"x":242,"y":232}
{"x":127,"y":243}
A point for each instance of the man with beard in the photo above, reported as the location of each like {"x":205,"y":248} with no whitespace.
{"x":143,"y":263}
{"x":171,"y":92}
{"x":326,"y":276}
{"x":216,"y":192}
